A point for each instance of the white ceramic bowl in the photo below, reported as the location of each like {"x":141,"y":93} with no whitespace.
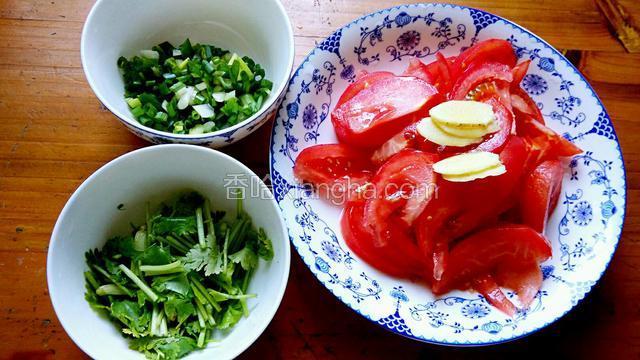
{"x":259,"y":29}
{"x":153,"y":174}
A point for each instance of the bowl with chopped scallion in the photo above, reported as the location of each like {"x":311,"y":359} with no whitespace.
{"x":168,"y":252}
{"x":206,"y":74}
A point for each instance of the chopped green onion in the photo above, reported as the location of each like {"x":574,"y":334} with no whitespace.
{"x":150,"y":54}
{"x":164,"y":81}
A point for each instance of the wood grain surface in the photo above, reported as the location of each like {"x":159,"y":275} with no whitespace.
{"x":54,"y":134}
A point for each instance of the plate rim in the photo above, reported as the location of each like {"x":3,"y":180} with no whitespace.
{"x":530,"y":34}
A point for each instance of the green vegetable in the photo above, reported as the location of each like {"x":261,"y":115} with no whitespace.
{"x":164,"y":87}
{"x":178,"y":278}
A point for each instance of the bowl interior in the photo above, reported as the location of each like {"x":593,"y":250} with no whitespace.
{"x":154,"y":174}
{"x":255,"y":28}
{"x":584,"y":229}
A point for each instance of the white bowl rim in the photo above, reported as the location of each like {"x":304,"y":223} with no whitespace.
{"x":589,"y":87}
{"x":207,"y":136}
{"x":56,"y":229}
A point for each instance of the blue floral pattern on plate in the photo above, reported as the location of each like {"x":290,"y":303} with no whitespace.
{"x":584,"y":229}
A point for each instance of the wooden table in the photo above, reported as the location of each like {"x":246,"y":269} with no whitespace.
{"x":55,"y":134}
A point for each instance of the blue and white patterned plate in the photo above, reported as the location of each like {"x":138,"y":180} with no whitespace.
{"x":584,"y":229}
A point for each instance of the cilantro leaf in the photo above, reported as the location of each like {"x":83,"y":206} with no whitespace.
{"x":246,"y":258}
{"x":185,"y":225}
{"x":265,"y":247}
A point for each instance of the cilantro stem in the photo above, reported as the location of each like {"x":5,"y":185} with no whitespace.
{"x":152,"y":270}
{"x":225,"y":247}
{"x":205,"y":315}
{"x":206,"y":294}
{"x":239,"y":208}
{"x":201,"y":337}
{"x":91,"y":279}
{"x":136,"y":280}
{"x":174,"y":244}
{"x":200,"y":224}
{"x":200,"y":318}
{"x":104,"y":273}
{"x":209,"y":220}
{"x":109,"y":289}
{"x":229,"y":296}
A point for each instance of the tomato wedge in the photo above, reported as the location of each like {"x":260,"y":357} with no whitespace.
{"x":504,"y":117}
{"x":519,"y":71}
{"x":523,"y":105}
{"x":404,"y":186}
{"x":540,"y":193}
{"x":405,"y":139}
{"x":436,"y":73}
{"x":460,"y":208}
{"x":477,"y":75}
{"x":483,"y":252}
{"x":492,"y":50}
{"x":363,"y":81}
{"x":544,"y":142}
{"x":419,"y":70}
{"x":525,"y":278}
{"x":382,"y":109}
{"x":338,"y":172}
{"x":384,"y":258}
{"x":487,"y":286}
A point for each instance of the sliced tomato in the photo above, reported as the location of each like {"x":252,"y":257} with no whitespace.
{"x":405,"y":139}
{"x":487,"y":51}
{"x":418,"y":69}
{"x":523,"y":105}
{"x":540,"y":193}
{"x":524,"y":277}
{"x":544,"y":143}
{"x":361,"y":241}
{"x":519,"y":71}
{"x":445,"y":78}
{"x":504,"y":117}
{"x":403,"y":186}
{"x":477,"y":75}
{"x":483,"y":252}
{"x":338,"y":172}
{"x":459,"y":208}
{"x":487,"y":286}
{"x":382,"y":109}
{"x":363,"y":81}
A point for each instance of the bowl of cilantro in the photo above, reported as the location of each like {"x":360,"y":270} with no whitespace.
{"x":167,"y":252}
{"x":195,"y":72}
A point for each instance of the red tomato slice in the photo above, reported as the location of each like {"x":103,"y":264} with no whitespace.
{"x":359,"y":239}
{"x":488,"y":287}
{"x":404,"y":186}
{"x":337,"y":171}
{"x":403,"y":140}
{"x":363,"y":81}
{"x":492,"y":50}
{"x":519,"y":71}
{"x":419,"y":70}
{"x":540,"y":193}
{"x":484,"y":251}
{"x":434,"y":73}
{"x":477,"y":75}
{"x":525,"y":278}
{"x":459,"y":208}
{"x":445,"y":79}
{"x":504,"y":117}
{"x":544,"y":142}
{"x":382,"y":109}
{"x":523,"y":104}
